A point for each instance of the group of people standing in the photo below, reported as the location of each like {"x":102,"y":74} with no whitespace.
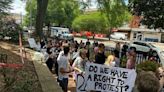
{"x":67,"y":57}
{"x":71,"y":56}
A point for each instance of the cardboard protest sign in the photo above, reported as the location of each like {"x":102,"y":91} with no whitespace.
{"x":107,"y":79}
{"x":32,"y":43}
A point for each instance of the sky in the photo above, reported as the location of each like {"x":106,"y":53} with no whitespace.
{"x":18,"y":7}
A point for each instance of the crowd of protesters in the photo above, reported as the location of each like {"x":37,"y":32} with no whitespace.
{"x":67,"y":57}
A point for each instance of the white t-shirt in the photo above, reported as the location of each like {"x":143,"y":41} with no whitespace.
{"x":63,"y":63}
{"x":62,"y":53}
{"x":79,"y":63}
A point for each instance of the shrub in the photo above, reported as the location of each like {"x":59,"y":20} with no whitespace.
{"x":148,"y":66}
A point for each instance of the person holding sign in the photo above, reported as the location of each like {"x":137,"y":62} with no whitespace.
{"x":112,"y":60}
{"x":79,"y":63}
{"x":64,"y":69}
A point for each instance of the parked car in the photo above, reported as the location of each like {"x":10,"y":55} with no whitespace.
{"x":159,"y":52}
{"x":140,"y":46}
{"x":118,"y":36}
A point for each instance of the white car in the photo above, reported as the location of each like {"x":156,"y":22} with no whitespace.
{"x":118,"y":36}
{"x":159,"y":52}
{"x":140,"y":46}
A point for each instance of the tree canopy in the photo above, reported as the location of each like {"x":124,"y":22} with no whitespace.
{"x":64,"y":12}
{"x":94,"y":22}
{"x":59,"y":12}
{"x":151,"y":11}
{"x":115,"y":11}
{"x":5,"y":5}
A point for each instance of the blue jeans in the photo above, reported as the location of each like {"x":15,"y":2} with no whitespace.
{"x":64,"y":84}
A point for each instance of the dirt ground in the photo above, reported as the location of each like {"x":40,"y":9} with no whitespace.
{"x":23,"y":79}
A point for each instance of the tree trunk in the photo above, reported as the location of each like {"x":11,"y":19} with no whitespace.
{"x":41,"y":11}
{"x":110,"y":31}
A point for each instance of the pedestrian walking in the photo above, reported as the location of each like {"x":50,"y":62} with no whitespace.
{"x":64,"y":69}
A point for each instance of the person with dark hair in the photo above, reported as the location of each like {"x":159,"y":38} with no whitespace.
{"x":124,"y":49}
{"x":88,"y":48}
{"x":64,"y":69}
{"x":147,"y":82}
{"x":100,"y":56}
{"x":88,"y":42}
{"x":50,"y":61}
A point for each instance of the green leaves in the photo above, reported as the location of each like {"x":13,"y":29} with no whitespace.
{"x":152,"y":12}
{"x":4,"y":6}
{"x":59,"y":12}
{"x":115,"y":11}
{"x":94,"y":22}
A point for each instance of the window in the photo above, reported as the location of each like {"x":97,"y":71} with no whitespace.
{"x":137,"y":43}
{"x":142,"y":44}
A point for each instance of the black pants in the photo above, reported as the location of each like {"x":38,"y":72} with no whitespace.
{"x":50,"y":63}
{"x":64,"y":84}
{"x":56,"y":68}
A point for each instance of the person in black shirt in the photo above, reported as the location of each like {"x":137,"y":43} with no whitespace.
{"x":88,"y":49}
{"x":124,"y":49}
{"x":100,"y":56}
{"x":88,"y":42}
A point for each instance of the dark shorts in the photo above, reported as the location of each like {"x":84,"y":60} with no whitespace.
{"x":64,"y":84}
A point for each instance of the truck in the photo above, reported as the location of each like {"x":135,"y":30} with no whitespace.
{"x":61,"y":33}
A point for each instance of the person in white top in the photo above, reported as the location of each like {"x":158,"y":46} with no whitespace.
{"x":79,"y":63}
{"x":64,"y":69}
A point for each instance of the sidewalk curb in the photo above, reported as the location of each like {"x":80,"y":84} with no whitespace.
{"x":47,"y":81}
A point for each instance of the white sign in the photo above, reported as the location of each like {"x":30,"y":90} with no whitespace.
{"x":81,"y":83}
{"x":106,"y":79}
{"x":32,"y":42}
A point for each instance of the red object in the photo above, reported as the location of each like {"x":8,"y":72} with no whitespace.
{"x":15,"y":66}
{"x":88,"y":34}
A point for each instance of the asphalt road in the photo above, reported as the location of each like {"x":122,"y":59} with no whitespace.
{"x":105,"y":42}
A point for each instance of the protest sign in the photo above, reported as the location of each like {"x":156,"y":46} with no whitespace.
{"x":81,"y":83}
{"x":32,"y":43}
{"x":106,"y":79}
